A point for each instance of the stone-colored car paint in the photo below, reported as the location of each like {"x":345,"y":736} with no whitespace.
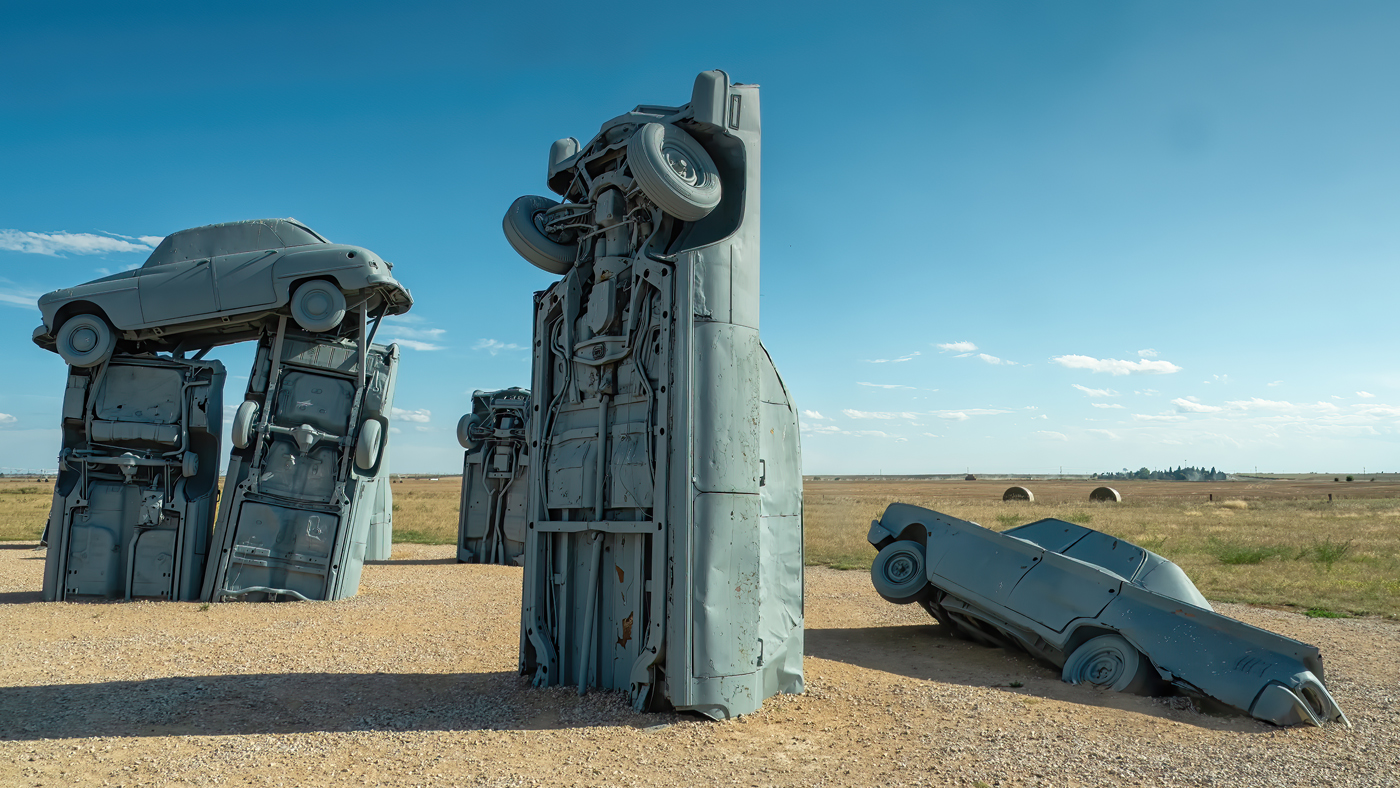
{"x":217,"y":297}
{"x":295,"y":516}
{"x":1049,"y":586}
{"x":126,"y":521}
{"x":663,"y":554}
{"x":491,"y":519}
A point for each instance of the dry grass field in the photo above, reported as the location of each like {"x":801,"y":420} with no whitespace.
{"x":1276,"y":541}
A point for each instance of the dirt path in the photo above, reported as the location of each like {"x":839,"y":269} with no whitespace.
{"x":413,"y":682}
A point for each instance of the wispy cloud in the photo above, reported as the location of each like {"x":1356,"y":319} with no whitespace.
{"x":417,"y":333}
{"x":1193,"y":405}
{"x":1050,"y":435}
{"x":899,"y":360}
{"x":883,"y":385}
{"x":16,"y":296}
{"x":1365,"y":394}
{"x":1113,"y":436}
{"x":421,"y":416}
{"x":954,"y":415}
{"x":65,"y":243}
{"x":867,"y":414}
{"x":956,"y":347}
{"x":1095,"y":392}
{"x":1106,"y":405}
{"x":1147,"y":353}
{"x":812,"y":414}
{"x":1167,"y":416}
{"x":1115,"y":366}
{"x":1276,"y":383}
{"x":6,"y":418}
{"x":494,"y":346}
{"x":415,"y":344}
{"x":995,"y":360}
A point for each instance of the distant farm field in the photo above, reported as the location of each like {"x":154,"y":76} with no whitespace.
{"x":1275,"y":541}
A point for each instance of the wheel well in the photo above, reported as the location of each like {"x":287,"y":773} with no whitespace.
{"x":292,"y":288}
{"x":914,"y":532}
{"x":1084,"y":634}
{"x":79,"y":308}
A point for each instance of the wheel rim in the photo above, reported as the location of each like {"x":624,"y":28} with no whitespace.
{"x":679,"y":161}
{"x":317,"y":304}
{"x":901,"y":568}
{"x":1103,"y":667}
{"x":83,"y":339}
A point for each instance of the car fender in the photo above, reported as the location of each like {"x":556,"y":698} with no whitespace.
{"x":349,"y":266}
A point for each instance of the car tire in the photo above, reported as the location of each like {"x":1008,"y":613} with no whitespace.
{"x":318,"y":305}
{"x":464,"y":428}
{"x":189,"y":464}
{"x":525,"y":232}
{"x":85,"y":340}
{"x":674,"y":172}
{"x":900,"y":573}
{"x":1110,"y":662}
{"x":243,"y":419}
{"x":368,"y":445}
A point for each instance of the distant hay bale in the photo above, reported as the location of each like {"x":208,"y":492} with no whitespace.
{"x":1234,"y":504}
{"x":969,"y":478}
{"x":1018,"y":494}
{"x":1105,"y":495}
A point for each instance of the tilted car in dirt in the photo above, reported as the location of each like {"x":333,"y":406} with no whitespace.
{"x":216,"y":285}
{"x":1105,"y":611}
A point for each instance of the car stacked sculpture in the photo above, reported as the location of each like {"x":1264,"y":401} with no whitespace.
{"x":491,"y":519}
{"x":130,"y":426}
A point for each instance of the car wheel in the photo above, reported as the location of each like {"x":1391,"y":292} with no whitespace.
{"x":189,"y":464}
{"x":464,"y":430}
{"x":900,"y":573}
{"x":367,"y":447}
{"x":674,"y":171}
{"x":1110,"y":662}
{"x":243,"y":420}
{"x":85,"y":340}
{"x":524,"y":228}
{"x":318,"y":305}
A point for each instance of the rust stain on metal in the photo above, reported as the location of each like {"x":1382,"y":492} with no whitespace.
{"x":626,"y":626}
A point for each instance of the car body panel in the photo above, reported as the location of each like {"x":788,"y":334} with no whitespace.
{"x":127,"y":521}
{"x":1049,"y":586}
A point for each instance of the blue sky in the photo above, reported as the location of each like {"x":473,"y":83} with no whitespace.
{"x":996,"y":236}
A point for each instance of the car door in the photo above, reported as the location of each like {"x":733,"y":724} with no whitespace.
{"x":177,"y":290}
{"x":244,"y":280}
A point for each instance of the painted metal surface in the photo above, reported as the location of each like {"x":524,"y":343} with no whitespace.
{"x":663,"y":550}
{"x":1106,"y":611}
{"x":491,"y":524}
{"x":217,"y":285}
{"x":304,"y":476}
{"x":138,"y":480}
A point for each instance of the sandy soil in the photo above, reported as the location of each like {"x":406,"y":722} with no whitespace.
{"x":413,"y":682}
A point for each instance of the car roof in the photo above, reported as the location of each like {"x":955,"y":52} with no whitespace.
{"x":214,"y":240}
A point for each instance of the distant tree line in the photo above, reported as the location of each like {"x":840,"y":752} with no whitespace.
{"x":1187,"y":474}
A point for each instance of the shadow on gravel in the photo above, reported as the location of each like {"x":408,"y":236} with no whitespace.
{"x":413,"y":562}
{"x":308,"y":702}
{"x":926,"y":652}
{"x":20,"y":597}
{"x":19,"y":545}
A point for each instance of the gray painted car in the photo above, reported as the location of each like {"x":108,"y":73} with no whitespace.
{"x":491,"y":522}
{"x":663,"y":543}
{"x":138,"y":480}
{"x":307,"y":470}
{"x":216,"y":285}
{"x":1105,"y":611}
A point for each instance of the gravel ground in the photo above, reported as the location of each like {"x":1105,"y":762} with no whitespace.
{"x":413,"y":682}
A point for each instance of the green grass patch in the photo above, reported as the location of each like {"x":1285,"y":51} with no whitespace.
{"x":1237,"y":554}
{"x":1008,"y":521}
{"x":415,"y":536}
{"x":1318,"y":612}
{"x":1082,"y":518}
{"x":1328,"y":552}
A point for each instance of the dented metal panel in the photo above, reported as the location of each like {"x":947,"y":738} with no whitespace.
{"x":135,"y":495}
{"x":1106,"y":611}
{"x":658,"y":560}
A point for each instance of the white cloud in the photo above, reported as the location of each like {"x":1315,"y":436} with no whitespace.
{"x":1114,"y":366}
{"x":1167,"y":416}
{"x":405,"y":318}
{"x":1365,"y":394}
{"x":6,"y":418}
{"x":995,"y":360}
{"x":422,"y":428}
{"x":1193,"y":405}
{"x":966,"y":413}
{"x":1147,"y":353}
{"x":812,"y":414}
{"x":865,"y":414}
{"x":1106,"y":405}
{"x":954,"y":416}
{"x":883,"y":385}
{"x":422,"y":415}
{"x":417,"y":333}
{"x":1276,"y":383}
{"x":957,"y":347}
{"x":62,"y":243}
{"x":395,"y":431}
{"x":892,"y":360}
{"x":930,"y":435}
{"x":870,"y":433}
{"x":821,"y":429}
{"x":494,"y":346}
{"x":1095,"y":392}
{"x":1113,"y":436}
{"x":22,"y":298}
{"x":1049,"y":435}
{"x":414,"y":344}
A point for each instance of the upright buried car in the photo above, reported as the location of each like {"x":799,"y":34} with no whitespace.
{"x":491,"y":524}
{"x":306,"y":469}
{"x":138,"y":480}
{"x":1108,"y":612}
{"x":216,"y":285}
